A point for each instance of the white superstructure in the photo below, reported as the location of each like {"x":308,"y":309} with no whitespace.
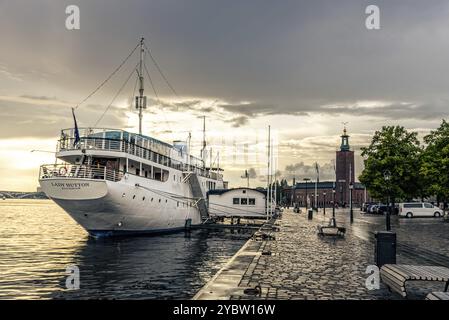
{"x":116,"y":182}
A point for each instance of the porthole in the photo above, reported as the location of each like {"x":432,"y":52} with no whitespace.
{"x":166,"y":200}
{"x":134,"y":196}
{"x":143,"y":199}
{"x":159,"y":200}
{"x":123,"y":195}
{"x":151,"y":199}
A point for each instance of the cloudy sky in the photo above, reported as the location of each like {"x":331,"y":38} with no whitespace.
{"x":303,"y":67}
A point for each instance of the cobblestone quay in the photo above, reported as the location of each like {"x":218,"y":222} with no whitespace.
{"x":303,"y":265}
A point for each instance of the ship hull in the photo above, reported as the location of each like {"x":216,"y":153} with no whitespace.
{"x":131,"y":206}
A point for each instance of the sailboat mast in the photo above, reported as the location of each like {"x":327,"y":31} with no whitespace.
{"x":203,"y":150}
{"x":141,"y":101}
{"x":268,"y":173}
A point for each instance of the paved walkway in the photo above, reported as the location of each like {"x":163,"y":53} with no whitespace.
{"x":303,"y":265}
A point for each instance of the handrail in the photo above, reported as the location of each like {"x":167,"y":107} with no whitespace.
{"x":108,"y":144}
{"x":50,"y":171}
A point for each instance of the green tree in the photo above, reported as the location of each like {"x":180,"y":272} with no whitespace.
{"x":392,"y":165}
{"x":435,"y":164}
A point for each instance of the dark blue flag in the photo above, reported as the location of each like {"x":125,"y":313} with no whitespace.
{"x":77,"y":133}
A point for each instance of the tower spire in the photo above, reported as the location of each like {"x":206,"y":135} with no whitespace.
{"x":344,"y":139}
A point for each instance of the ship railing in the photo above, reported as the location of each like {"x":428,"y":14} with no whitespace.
{"x":50,"y":171}
{"x":67,"y":144}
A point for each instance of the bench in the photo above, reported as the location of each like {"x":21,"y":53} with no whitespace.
{"x":339,"y":231}
{"x":396,"y":275}
{"x":438,"y":296}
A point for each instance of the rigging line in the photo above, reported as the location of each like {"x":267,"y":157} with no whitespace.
{"x":171,"y":196}
{"x":157,"y":97}
{"x":108,"y":78}
{"x":160,"y":71}
{"x":151,"y":82}
{"x":116,"y":95}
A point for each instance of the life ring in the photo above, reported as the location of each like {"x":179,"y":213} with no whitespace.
{"x":62,"y":171}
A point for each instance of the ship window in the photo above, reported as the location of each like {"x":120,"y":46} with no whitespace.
{"x":165,"y":175}
{"x":151,"y":199}
{"x":123,"y":195}
{"x":157,"y":174}
{"x":177,"y":204}
{"x":252,"y":201}
{"x":244,"y":201}
{"x":235,"y":201}
{"x":134,"y":196}
{"x":159,"y":200}
{"x":166,"y":200}
{"x":244,"y":191}
{"x":143,"y":199}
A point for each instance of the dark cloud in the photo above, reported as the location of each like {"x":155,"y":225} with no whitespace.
{"x":248,"y":109}
{"x":300,"y":171}
{"x":238,"y":121}
{"x":28,"y":119}
{"x":290,"y":57}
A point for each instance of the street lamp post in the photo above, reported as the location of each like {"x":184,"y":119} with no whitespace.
{"x":306,"y":180}
{"x":324,"y":203}
{"x":333,"y":222}
{"x":351,"y":212}
{"x":387,"y":177}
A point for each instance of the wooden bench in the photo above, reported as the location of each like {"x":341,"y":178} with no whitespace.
{"x":340,"y":231}
{"x":438,"y":296}
{"x":396,"y":275}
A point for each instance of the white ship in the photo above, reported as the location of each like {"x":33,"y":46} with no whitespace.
{"x":114,"y":182}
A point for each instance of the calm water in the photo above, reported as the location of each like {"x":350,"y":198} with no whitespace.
{"x":38,"y":241}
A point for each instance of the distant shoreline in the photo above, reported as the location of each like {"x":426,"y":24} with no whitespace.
{"x":22,"y":195}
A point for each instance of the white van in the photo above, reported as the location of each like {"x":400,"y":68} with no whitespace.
{"x":419,"y":209}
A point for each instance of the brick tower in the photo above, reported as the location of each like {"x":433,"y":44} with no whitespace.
{"x":344,"y":170}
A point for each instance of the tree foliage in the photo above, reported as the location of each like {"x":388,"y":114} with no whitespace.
{"x":435,"y":162}
{"x":392,"y":164}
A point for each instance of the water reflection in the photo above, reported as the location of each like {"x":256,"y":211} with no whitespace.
{"x":40,"y":241}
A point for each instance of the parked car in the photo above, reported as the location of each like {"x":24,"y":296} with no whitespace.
{"x":382,"y":209}
{"x":364,"y":207}
{"x":419,"y":209}
{"x":373,"y":208}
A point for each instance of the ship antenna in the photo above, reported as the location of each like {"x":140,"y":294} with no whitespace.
{"x":141,"y":100}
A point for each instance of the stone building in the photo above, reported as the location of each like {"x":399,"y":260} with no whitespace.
{"x":344,"y":181}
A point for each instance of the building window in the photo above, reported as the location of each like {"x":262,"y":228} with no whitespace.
{"x":244,"y":201}
{"x":235,"y":201}
{"x":252,"y":201}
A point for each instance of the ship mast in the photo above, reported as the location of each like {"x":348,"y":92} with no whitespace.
{"x":141,"y":100}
